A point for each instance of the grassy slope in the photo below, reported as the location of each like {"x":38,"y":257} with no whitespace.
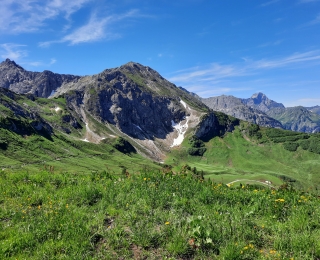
{"x":65,"y":154}
{"x":236,"y":157}
{"x":151,"y":216}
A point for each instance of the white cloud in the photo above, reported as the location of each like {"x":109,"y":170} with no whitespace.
{"x":307,"y":1}
{"x":13,"y":51}
{"x":214,"y":71}
{"x":30,"y":15}
{"x":52,"y":61}
{"x":267,"y":44}
{"x":96,"y":29}
{"x":315,"y":21}
{"x":286,"y":61}
{"x":220,"y":78}
{"x":269,"y":3}
{"x":92,"y":31}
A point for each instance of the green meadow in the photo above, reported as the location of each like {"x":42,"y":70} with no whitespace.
{"x":152,"y":215}
{"x":237,"y":156}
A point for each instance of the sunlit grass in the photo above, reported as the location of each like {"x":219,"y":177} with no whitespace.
{"x":153,"y":215}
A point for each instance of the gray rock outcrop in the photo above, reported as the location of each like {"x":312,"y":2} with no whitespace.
{"x":40,"y":84}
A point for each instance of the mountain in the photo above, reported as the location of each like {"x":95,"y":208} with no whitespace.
{"x":235,"y":107}
{"x":40,"y":84}
{"x":261,"y":110}
{"x":315,"y":109}
{"x":121,"y":118}
{"x":298,"y":119}
{"x":261,"y":102}
{"x":132,"y":101}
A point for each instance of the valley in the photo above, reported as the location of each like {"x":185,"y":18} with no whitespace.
{"x":126,"y":165}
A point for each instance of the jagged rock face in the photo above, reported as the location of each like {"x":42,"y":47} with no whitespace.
{"x":206,"y":127}
{"x":298,"y":119}
{"x":20,"y":120}
{"x":234,"y":107}
{"x":134,"y":98}
{"x":261,"y":102}
{"x":41,"y":84}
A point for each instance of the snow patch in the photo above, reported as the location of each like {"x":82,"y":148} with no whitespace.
{"x":57,"y":109}
{"x":85,"y":140}
{"x":52,"y":93}
{"x":138,"y":127}
{"x":181,"y":129}
{"x":184,"y":104}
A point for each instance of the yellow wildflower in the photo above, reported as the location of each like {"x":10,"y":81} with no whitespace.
{"x":167,"y":223}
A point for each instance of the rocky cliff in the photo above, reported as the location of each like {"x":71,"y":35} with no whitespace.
{"x":40,"y":84}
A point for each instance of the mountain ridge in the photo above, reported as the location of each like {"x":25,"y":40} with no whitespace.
{"x":40,"y":84}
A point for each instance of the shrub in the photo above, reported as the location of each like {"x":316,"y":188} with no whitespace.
{"x":123,"y":146}
{"x":197,"y":151}
{"x":304,"y":144}
{"x":197,"y":146}
{"x":290,"y":146}
{"x":314,"y":146}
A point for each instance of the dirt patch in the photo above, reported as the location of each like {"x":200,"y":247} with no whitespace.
{"x":136,"y":251}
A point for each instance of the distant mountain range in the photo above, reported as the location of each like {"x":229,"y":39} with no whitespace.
{"x":261,"y":110}
{"x":136,"y":102}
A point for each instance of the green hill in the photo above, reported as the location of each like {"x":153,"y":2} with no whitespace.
{"x":254,"y":154}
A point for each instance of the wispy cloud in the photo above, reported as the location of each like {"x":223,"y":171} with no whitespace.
{"x":40,"y":63}
{"x":211,"y":72}
{"x":18,"y":53}
{"x":307,"y":1}
{"x":286,"y":61}
{"x":267,"y":44}
{"x":269,"y":3}
{"x":214,"y":77}
{"x":315,"y":21}
{"x":13,"y":51}
{"x":18,"y":16}
{"x":96,"y":29}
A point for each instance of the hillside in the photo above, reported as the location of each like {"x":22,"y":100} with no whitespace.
{"x":125,"y":165}
{"x":298,"y":119}
{"x":133,"y":112}
{"x":254,"y":155}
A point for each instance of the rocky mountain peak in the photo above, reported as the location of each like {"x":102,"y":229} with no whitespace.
{"x":259,"y":97}
{"x":41,"y":84}
{"x":261,"y":102}
{"x":137,"y":68}
{"x":9,"y":64}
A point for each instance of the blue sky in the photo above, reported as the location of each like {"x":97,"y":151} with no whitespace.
{"x":210,"y":47}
